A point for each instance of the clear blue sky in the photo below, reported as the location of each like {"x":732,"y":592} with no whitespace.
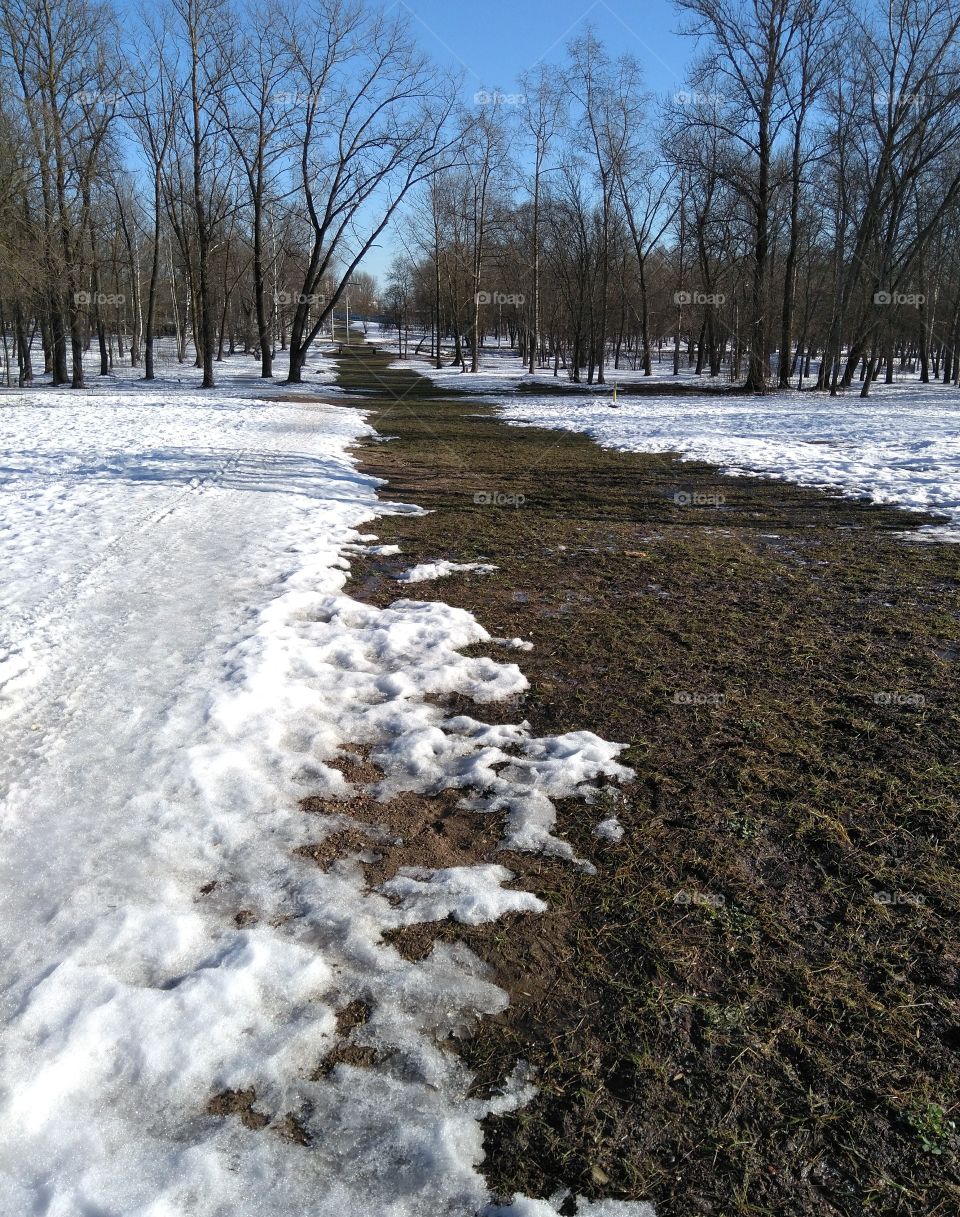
{"x":493,"y":42}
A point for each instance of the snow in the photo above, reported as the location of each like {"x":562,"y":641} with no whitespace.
{"x":441,"y":569}
{"x":523,"y":1206}
{"x":555,"y":767}
{"x":470,"y":894}
{"x":900,"y":446}
{"x":180,"y":668}
{"x":515,"y":644}
{"x":502,"y":369}
{"x":499,"y":370}
{"x":609,"y":830}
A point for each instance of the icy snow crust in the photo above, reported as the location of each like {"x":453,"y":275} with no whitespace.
{"x":900,"y":446}
{"x":180,"y":667}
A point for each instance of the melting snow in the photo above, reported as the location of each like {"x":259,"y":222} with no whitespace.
{"x":900,"y":446}
{"x":523,"y":1206}
{"x":439,"y":570}
{"x":609,"y":830}
{"x":178,"y":667}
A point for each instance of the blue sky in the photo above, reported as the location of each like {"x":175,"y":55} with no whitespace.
{"x":494,"y":42}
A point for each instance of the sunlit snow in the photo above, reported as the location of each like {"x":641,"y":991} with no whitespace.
{"x":179,"y":666}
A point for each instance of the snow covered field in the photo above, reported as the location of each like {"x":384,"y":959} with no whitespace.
{"x":901,"y":446}
{"x":178,"y":668}
{"x":502,"y":369}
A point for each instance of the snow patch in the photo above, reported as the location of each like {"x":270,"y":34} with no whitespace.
{"x":523,"y":1206}
{"x":609,"y":830}
{"x":440,"y":570}
{"x":470,"y":894}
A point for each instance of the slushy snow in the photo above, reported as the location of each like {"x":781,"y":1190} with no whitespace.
{"x":179,"y":667}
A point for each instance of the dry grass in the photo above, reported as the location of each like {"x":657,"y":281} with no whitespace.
{"x":751,"y":1008}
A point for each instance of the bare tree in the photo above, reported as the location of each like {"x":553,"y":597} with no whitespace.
{"x":63,"y":63}
{"x":543,"y":114}
{"x":372,"y":125}
{"x":203,"y":173}
{"x":152,"y":107}
{"x":256,"y":117}
{"x":751,"y":42}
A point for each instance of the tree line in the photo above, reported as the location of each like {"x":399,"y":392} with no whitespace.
{"x":787,"y":217}
{"x":215,"y":173}
{"x":204,"y":171}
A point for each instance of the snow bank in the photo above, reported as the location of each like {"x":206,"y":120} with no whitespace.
{"x":503,"y":369}
{"x":182,"y":667}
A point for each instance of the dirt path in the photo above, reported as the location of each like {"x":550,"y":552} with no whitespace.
{"x":751,"y":1007}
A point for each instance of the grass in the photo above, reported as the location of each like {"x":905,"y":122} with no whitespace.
{"x":751,"y":1007}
